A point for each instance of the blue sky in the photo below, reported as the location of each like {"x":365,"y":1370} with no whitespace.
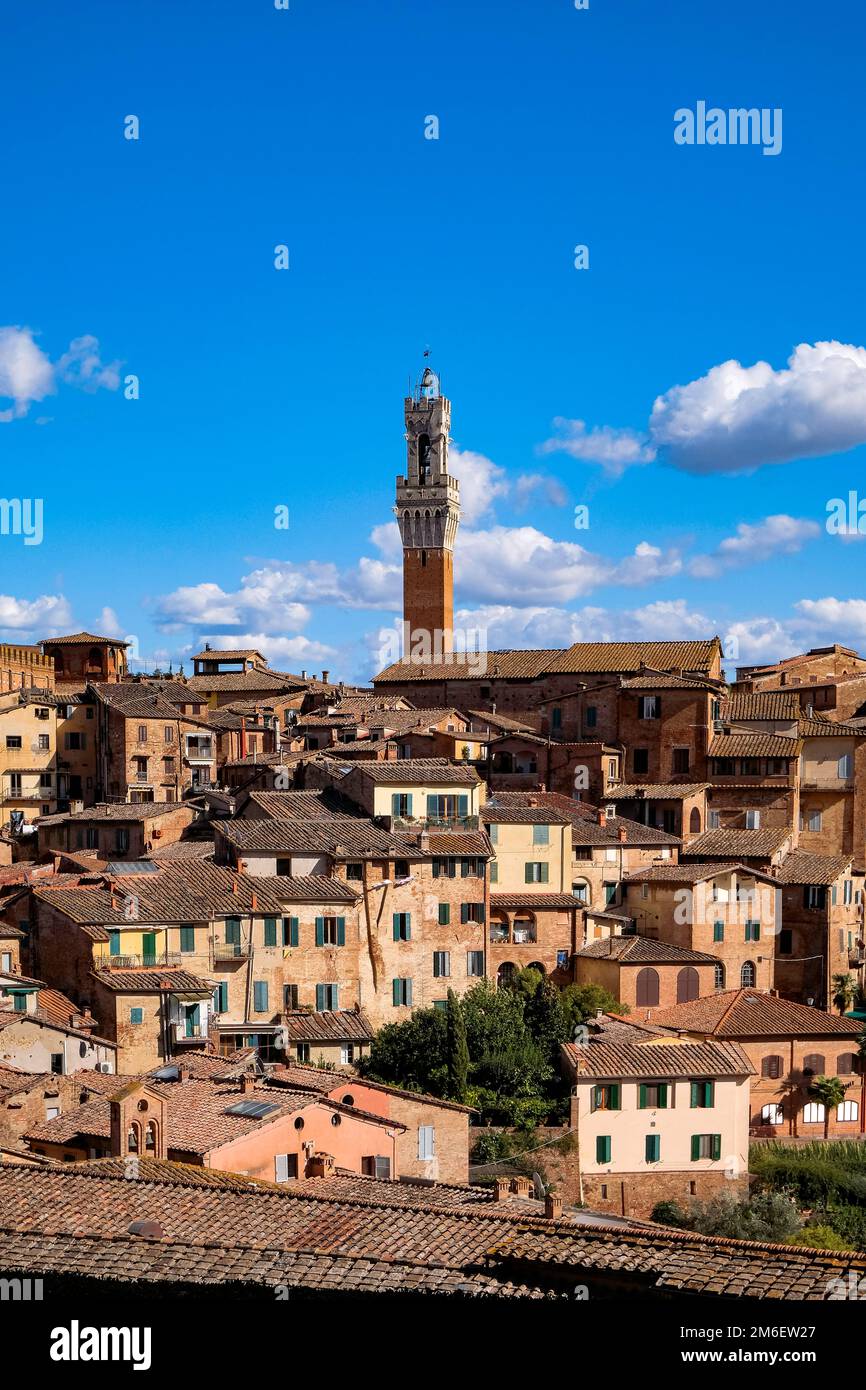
{"x":261,"y":388}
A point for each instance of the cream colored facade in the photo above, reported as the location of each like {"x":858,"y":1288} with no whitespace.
{"x":28,"y":758}
{"x":517,"y":846}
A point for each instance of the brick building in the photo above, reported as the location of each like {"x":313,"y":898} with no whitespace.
{"x":148,"y":750}
{"x":83,"y":657}
{"x":642,"y":973}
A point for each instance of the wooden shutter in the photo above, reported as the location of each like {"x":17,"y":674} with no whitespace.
{"x":613,"y":1098}
{"x":527,"y":873}
{"x":320,"y":931}
{"x":281,"y":1167}
{"x":395,"y":803}
{"x":696,"y":1147}
{"x":437,"y":868}
{"x":408,"y":803}
{"x":409,"y":993}
{"x":320,"y":997}
{"x":444,"y":914}
{"x":341,"y":931}
{"x":396,"y":992}
{"x":432,"y":804}
{"x":716,"y":1146}
{"x":545,"y":873}
{"x":641,"y":1096}
{"x":270,"y":931}
{"x":463,"y":805}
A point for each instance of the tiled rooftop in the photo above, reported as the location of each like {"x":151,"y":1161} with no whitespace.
{"x":750,"y":1013}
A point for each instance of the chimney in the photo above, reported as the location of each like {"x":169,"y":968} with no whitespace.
{"x":424,"y":841}
{"x":320,"y":1165}
{"x":325,"y":675}
{"x":248,"y":1083}
{"x":184,"y":1072}
{"x":552,"y":1207}
{"x":521,"y":1187}
{"x":303,"y":675}
{"x":234,"y":886}
{"x":622,"y":834}
{"x":254,"y":904}
{"x":602,"y":816}
{"x":501,"y":1188}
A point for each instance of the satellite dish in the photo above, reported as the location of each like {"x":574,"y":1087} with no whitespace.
{"x":538,"y":1187}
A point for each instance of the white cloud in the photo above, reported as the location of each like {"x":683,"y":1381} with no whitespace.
{"x":537,"y":626}
{"x":495,"y":565}
{"x":260,"y":594}
{"x":528,"y":485}
{"x":46,"y":616}
{"x":27,"y":374}
{"x":276,"y":649}
{"x":615,"y":449}
{"x":736,"y":418}
{"x":846,"y":618}
{"x":754,"y":542}
{"x":481,"y":482}
{"x":108,"y":624}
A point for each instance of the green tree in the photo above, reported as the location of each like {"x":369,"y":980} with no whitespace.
{"x":767,"y":1216}
{"x":458,"y":1049}
{"x":830,"y":1091}
{"x":582,"y":1002}
{"x":844,"y":987}
{"x":413,"y":1054}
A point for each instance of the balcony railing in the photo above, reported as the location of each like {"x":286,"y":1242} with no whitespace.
{"x":188,"y":1033}
{"x":148,"y":958}
{"x":231,"y":950}
{"x":140,"y":777}
{"x":499,"y":935}
{"x":424,"y":822}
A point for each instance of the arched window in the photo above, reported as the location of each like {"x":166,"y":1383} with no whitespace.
{"x":695,"y":821}
{"x":536,"y":965}
{"x":94,"y":657}
{"x":813,"y":1113}
{"x":505,"y":974}
{"x":688,"y":985}
{"x":846,"y":1065}
{"x":648,"y":987}
{"x":424,"y":471}
{"x":523,"y":929}
{"x":813,"y":1064}
{"x":772,"y":1066}
{"x":772,"y":1114}
{"x":748,"y":975}
{"x":847,"y":1111}
{"x":150,"y":1143}
{"x":719,"y":975}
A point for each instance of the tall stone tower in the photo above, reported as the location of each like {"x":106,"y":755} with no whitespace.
{"x":428,"y":510}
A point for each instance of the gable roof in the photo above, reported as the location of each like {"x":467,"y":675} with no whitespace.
{"x":655,"y":1057}
{"x":590,"y":658}
{"x":750,"y":1013}
{"x":640,"y":950}
{"x":736,"y":844}
{"x":801,"y":867}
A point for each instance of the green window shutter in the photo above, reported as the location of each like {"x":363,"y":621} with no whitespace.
{"x":602,"y":1148}
{"x":545,"y":873}
{"x":696,"y":1147}
{"x":341,"y":931}
{"x":718,"y":931}
{"x":187,"y":938}
{"x":463,"y":805}
{"x":641,"y":1101}
{"x":270,"y":931}
{"x":444,"y":914}
{"x":597,"y":1097}
{"x":409,"y":993}
{"x":464,"y":868}
{"x":395,"y":803}
{"x":709,"y":1093}
{"x":432,"y":805}
{"x":290,"y":931}
{"x":653,"y":1148}
{"x":114,"y":943}
{"x":320,"y":998}
{"x":408,"y":916}
{"x":663,"y":1097}
{"x":695,"y":1102}
{"x":320,"y":931}
{"x":408,"y":803}
{"x":397,"y":926}
{"x":396,"y":993}
{"x":527,"y":873}
{"x":437,"y":868}
{"x":464,"y":912}
{"x":613,"y":1102}
{"x":494,"y":871}
{"x":717,"y":1146}
{"x":260,"y":996}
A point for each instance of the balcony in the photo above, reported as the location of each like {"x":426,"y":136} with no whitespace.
{"x":499,"y":935}
{"x":140,"y":962}
{"x":188,"y":1033}
{"x":434,"y":822}
{"x":231,"y":950}
{"x":201,"y":751}
{"x":140,"y":777}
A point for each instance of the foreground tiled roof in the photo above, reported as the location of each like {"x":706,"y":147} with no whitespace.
{"x":802,"y":867}
{"x":77,"y":1219}
{"x":338,"y":1025}
{"x":777,"y":705}
{"x":736,"y":844}
{"x":494,"y":813}
{"x":304,"y":1077}
{"x":153,"y":978}
{"x":303,"y":805}
{"x":117,"y":811}
{"x":697,"y":871}
{"x":247,"y":681}
{"x":351,"y":838}
{"x":430,"y":771}
{"x":737,"y":744}
{"x":656,"y":1058}
{"x":749,"y":1013}
{"x":467,"y":843}
{"x":659,"y":791}
{"x":821,"y":727}
{"x":590,"y":658}
{"x":640,"y":950}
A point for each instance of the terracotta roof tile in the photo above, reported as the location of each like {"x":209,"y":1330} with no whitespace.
{"x":608,"y":1057}
{"x":749,"y":1013}
{"x":640,"y":950}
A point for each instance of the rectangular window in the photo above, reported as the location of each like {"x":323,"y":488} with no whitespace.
{"x":718,"y":931}
{"x":653,"y":1095}
{"x":703,"y":1095}
{"x":472,"y":912}
{"x":187,"y":938}
{"x":494,"y":871}
{"x":354,"y":872}
{"x":444,"y":868}
{"x":602,"y":1148}
{"x":653,"y":1148}
{"x":649,"y":707}
{"x":441,"y":964}
{"x":536,"y":873}
{"x":260,"y":996}
{"x":401,"y":804}
{"x":714,"y":820}
{"x":475,"y":963}
{"x":753,"y":820}
{"x":605,"y":1097}
{"x":814,"y":896}
{"x":290,"y":998}
{"x":330,"y":931}
{"x":284,"y":868}
{"x":302,"y":1052}
{"x":444,"y":914}
{"x":376,"y":1166}
{"x":168,"y":734}
{"x":815,"y":820}
{"x":44,"y":743}
{"x":556,"y":717}
{"x":426,"y":1142}
{"x":401,"y":992}
{"x":290,"y":931}
{"x":326,"y":998}
{"x":221,"y":997}
{"x":541,"y":834}
{"x":142,"y":733}
{"x":13,"y":740}
{"x":233,"y":931}
{"x":706,"y":1146}
{"x":285,"y":1167}
{"x":786,"y":941}
{"x":270,"y":936}
{"x":848,"y":892}
{"x":846,"y":767}
{"x":680,"y":760}
{"x":402,"y":926}
{"x":753,"y":931}
{"x":591,"y":716}
{"x":493,"y":833}
{"x":640,"y":760}
{"x":136,"y":1015}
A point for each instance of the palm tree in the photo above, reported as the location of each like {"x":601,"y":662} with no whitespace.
{"x":830,"y":1092}
{"x":844,"y":987}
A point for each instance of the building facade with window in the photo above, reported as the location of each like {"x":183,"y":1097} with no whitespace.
{"x":28,"y":757}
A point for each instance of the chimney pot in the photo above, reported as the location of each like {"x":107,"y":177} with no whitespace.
{"x":500,"y":1189}
{"x":622,"y":834}
{"x":248,"y":1082}
{"x":552,"y":1207}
